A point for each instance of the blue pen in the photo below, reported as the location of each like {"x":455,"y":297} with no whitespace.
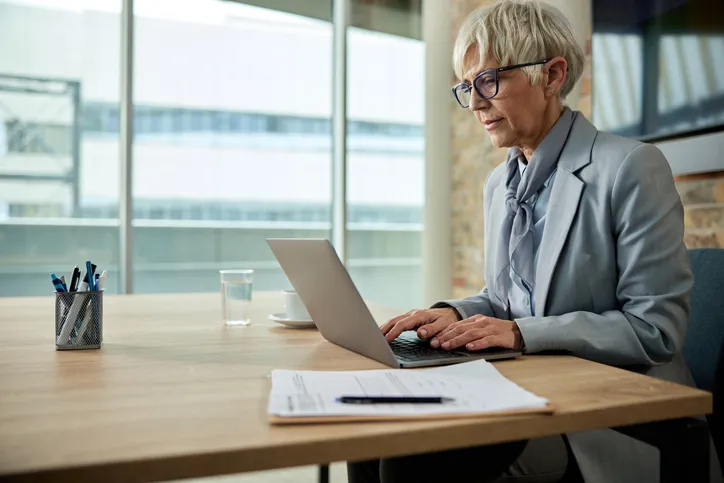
{"x":97,"y":281}
{"x":89,"y":274}
{"x":57,"y":283}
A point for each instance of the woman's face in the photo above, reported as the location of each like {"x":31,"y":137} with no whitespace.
{"x":516,"y":115}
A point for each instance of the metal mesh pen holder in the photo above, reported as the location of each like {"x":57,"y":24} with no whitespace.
{"x":78,"y":320}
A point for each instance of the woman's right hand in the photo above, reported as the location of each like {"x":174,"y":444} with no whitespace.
{"x":427,"y":322}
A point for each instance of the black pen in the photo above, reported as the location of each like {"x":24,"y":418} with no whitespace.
{"x":394,"y":400}
{"x":74,"y":280}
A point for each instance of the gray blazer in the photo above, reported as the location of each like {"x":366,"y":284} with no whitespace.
{"x":612,"y":280}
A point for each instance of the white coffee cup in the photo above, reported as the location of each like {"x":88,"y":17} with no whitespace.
{"x":294,"y":307}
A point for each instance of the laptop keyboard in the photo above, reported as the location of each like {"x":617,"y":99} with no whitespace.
{"x":411,"y":350}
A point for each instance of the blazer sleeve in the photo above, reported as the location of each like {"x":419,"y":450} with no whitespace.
{"x":469,"y":306}
{"x":654,"y":276}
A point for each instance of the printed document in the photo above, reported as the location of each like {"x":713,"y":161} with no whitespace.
{"x":476,"y":387}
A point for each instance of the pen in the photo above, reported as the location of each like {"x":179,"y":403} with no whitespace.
{"x":394,"y":400}
{"x":86,"y":278}
{"x":89,"y":275}
{"x":103,"y":279}
{"x":57,"y":283}
{"x":70,"y":319}
{"x":80,"y":330}
{"x":62,"y":280}
{"x":75,"y":279}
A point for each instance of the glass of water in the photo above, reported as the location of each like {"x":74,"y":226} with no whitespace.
{"x":236,"y":295}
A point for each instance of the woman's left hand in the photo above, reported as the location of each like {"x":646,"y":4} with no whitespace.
{"x":479,"y":332}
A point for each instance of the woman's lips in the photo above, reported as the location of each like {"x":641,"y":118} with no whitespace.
{"x":492,"y":123}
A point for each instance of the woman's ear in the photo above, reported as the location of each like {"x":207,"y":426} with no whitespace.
{"x":557,"y":69}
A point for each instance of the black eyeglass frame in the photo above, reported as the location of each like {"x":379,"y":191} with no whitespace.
{"x":495,"y":71}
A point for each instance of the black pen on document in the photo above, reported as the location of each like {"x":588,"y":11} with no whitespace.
{"x":394,"y":400}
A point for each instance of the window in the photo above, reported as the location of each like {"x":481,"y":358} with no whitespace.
{"x":58,"y":200}
{"x":228,"y":175}
{"x":658,"y":67}
{"x":225,"y":152}
{"x":168,"y":123}
{"x":178,"y":116}
{"x":385,"y":170}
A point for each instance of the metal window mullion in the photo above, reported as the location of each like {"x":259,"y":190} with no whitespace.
{"x":340,"y":20}
{"x":126,"y":150}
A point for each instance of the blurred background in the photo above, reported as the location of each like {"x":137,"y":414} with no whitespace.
{"x":233,"y":139}
{"x":232,"y":118}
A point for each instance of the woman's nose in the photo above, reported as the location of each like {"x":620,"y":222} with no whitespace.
{"x":477,"y":102}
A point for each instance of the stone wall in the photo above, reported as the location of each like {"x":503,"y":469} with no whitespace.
{"x":474,"y":157}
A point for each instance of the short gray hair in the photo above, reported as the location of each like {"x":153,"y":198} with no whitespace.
{"x":519,"y":31}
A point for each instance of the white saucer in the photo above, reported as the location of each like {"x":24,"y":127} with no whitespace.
{"x":294,"y":324}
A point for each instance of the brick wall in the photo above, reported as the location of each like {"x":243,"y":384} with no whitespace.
{"x":473,"y":159}
{"x":703,"y":198}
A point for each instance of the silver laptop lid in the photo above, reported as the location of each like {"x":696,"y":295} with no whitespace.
{"x":330,"y":296}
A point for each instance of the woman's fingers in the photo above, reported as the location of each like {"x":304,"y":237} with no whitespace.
{"x":471,"y":336}
{"x":428,"y":321}
{"x":411,"y":321}
{"x":486,"y":342}
{"x":391,"y":323}
{"x":476,"y":323}
{"x":436,"y":326}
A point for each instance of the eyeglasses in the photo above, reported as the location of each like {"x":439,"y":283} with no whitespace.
{"x":485,"y":83}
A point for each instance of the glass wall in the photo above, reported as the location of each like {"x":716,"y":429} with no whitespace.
{"x":58,"y":187}
{"x":385,"y":169}
{"x":232,"y":141}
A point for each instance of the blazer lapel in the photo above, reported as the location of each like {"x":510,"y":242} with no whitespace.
{"x":492,"y":236}
{"x":562,"y":206}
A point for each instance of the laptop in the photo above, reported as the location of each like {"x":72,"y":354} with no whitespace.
{"x":331,"y":298}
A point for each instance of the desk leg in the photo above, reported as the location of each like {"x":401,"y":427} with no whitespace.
{"x":323,"y":473}
{"x":684,"y":447}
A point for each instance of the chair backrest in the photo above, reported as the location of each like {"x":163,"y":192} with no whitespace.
{"x":716,"y":418}
{"x":705,"y":333}
{"x":704,"y":345}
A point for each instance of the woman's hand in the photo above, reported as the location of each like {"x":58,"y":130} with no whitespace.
{"x":479,"y":332}
{"x":427,"y":323}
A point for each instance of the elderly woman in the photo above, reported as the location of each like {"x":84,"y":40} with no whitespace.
{"x":583,"y":249}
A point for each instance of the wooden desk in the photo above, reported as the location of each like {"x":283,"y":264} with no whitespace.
{"x":173,"y":394}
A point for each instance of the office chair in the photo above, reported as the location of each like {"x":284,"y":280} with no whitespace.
{"x":704,"y":345}
{"x":704,"y":354}
{"x":716,"y":418}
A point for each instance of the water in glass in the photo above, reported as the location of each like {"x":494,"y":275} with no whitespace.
{"x":236,"y":291}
